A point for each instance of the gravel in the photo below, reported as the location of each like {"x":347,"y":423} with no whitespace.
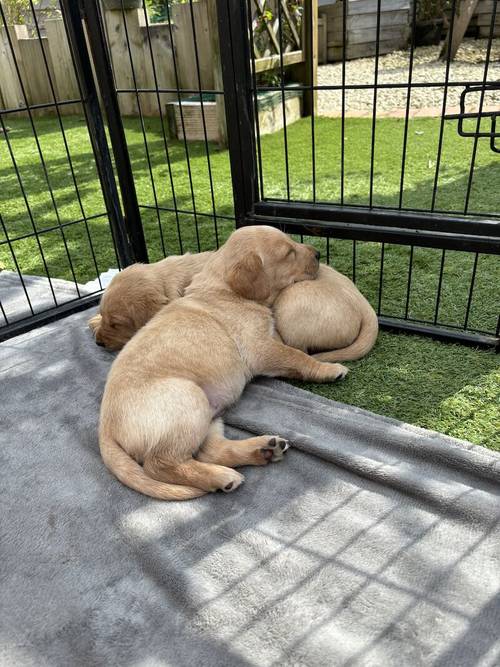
{"x":394,"y":68}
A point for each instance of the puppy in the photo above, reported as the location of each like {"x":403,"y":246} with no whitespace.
{"x":329,"y":315}
{"x":138,"y":292}
{"x":159,"y":433}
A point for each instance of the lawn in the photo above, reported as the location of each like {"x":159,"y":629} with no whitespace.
{"x":445,"y":387}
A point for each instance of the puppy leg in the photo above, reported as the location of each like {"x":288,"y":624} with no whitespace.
{"x":279,"y":360}
{"x":191,"y":472}
{"x":256,"y":451}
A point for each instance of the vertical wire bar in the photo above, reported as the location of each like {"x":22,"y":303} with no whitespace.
{"x":181,"y":113}
{"x":408,"y":285}
{"x":497,"y":333}
{"x":439,"y":151}
{"x":40,"y":153}
{"x":342,"y":139}
{"x":372,"y":154}
{"x":443,"y":109}
{"x":440,"y":285}
{"x":354,"y":261}
{"x":255,"y":98}
{"x":4,"y":314}
{"x":381,"y":279}
{"x":471,"y":290}
{"x":16,"y":264}
{"x":408,"y":104}
{"x":165,"y":142}
{"x":68,"y":154}
{"x":26,"y":203}
{"x":204,"y":123}
{"x":143,"y":129}
{"x":375,"y":90}
{"x":313,"y":95}
{"x":125,"y":225}
{"x":328,"y":250}
{"x":283,"y":103}
{"x":481,"y":102}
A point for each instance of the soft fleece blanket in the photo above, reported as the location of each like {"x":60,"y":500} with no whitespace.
{"x":372,"y":543}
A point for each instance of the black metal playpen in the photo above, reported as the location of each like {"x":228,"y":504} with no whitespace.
{"x":417,"y":229}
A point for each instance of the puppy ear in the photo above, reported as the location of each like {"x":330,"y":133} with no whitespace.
{"x":247,"y":278}
{"x":95,"y":322}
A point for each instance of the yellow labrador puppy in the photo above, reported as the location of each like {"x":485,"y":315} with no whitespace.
{"x":159,"y":432}
{"x":328,"y":315}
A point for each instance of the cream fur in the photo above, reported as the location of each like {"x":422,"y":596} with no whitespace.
{"x":159,"y":429}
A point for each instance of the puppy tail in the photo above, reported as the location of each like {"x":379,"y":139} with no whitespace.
{"x":362,"y":345}
{"x":130,"y":473}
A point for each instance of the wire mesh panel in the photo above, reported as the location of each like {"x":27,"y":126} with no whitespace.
{"x":53,"y":218}
{"x":166,"y":69}
{"x":394,"y":151}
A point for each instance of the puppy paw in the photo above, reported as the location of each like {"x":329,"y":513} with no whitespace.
{"x":231,"y":481}
{"x":275,"y":449}
{"x":342,"y":371}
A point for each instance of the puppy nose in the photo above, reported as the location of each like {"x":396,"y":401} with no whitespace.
{"x":98,"y":342}
{"x":317,"y":254}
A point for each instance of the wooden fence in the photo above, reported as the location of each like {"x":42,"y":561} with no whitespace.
{"x":139,"y":47}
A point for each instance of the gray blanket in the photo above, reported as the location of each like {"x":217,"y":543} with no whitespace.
{"x":372,"y":543}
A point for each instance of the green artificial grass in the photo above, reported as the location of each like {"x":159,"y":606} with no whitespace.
{"x":445,"y":387}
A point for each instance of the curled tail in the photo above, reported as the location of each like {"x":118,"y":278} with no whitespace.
{"x":130,"y":473}
{"x":362,"y":345}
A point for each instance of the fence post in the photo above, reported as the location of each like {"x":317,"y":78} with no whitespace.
{"x":127,"y":229}
{"x":235,"y":60}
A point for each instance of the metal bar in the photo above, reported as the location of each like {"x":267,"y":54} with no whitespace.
{"x":233,"y":22}
{"x":16,"y":264}
{"x":283,"y":101}
{"x":40,"y":319}
{"x":440,"y":333}
{"x":342,"y":137}
{"x":70,"y":162}
{"x":34,"y":107}
{"x":408,"y":103}
{"x":374,"y":114}
{"x":204,"y":123}
{"x":256,"y":101}
{"x":442,"y":213}
{"x":369,"y":86}
{"x":481,"y":102}
{"x":388,"y":217}
{"x":164,"y":135}
{"x":143,"y":128}
{"x":313,"y":106}
{"x":127,"y":229}
{"x":53,"y":228}
{"x":364,"y":232}
{"x":181,"y":114}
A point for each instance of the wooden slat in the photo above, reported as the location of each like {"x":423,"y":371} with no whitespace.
{"x":355,"y":7}
{"x":363,"y":50}
{"x":291,"y":22}
{"x":393,"y":33}
{"x":261,"y":6}
{"x":399,"y":17}
{"x":270,"y":62}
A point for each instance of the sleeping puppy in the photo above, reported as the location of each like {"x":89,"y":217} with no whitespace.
{"x":328,"y":315}
{"x":138,"y":292}
{"x":159,"y":433}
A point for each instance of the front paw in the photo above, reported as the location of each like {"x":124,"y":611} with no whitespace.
{"x":332,"y":372}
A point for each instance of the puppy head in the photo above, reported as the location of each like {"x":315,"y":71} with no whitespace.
{"x":130,"y":300}
{"x":262,"y":261}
